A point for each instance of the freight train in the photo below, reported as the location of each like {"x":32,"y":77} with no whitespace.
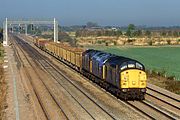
{"x":122,"y":76}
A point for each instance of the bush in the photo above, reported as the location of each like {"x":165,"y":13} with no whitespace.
{"x":172,"y":85}
{"x":150,"y":43}
{"x":171,"y":77}
{"x":169,"y":42}
{"x":129,"y":40}
{"x":99,"y":42}
{"x":162,"y":73}
{"x":106,"y":44}
{"x":115,"y":42}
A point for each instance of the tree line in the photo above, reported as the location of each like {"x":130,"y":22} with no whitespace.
{"x":96,"y":33}
{"x":131,"y":31}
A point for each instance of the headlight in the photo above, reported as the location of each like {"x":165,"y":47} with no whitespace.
{"x":124,"y":90}
{"x":143,"y":90}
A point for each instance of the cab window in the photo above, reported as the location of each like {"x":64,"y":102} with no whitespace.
{"x":131,"y":64}
{"x":123,"y":66}
{"x":139,"y":66}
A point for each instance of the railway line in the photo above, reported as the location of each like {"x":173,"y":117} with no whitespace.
{"x":158,"y":104}
{"x":92,"y":113}
{"x":49,"y":112}
{"x":58,"y":74}
{"x":66,"y":83}
{"x":168,"y":103}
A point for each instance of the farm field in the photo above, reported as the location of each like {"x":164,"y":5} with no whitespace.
{"x":160,"y":59}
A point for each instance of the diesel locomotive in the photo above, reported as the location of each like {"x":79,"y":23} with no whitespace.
{"x":124,"y":77}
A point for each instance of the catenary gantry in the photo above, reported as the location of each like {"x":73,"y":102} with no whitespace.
{"x":35,"y":22}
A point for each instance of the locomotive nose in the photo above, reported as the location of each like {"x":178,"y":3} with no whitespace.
{"x":133,"y":79}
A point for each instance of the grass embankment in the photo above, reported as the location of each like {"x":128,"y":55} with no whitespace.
{"x":162,"y":63}
{"x":3,"y":85}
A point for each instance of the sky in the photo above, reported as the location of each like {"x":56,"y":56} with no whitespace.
{"x":103,"y":12}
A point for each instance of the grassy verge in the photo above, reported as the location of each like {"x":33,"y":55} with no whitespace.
{"x":167,"y":82}
{"x":3,"y":86}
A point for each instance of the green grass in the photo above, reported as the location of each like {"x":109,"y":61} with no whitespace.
{"x":154,"y":58}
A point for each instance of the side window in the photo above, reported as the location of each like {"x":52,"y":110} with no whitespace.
{"x":139,"y":66}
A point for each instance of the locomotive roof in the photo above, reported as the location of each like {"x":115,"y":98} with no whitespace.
{"x":98,"y":54}
{"x":103,"y":59}
{"x":108,"y":59}
{"x":119,"y":60}
{"x":90,"y":52}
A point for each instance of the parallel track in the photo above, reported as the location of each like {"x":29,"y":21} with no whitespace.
{"x":55,"y":69}
{"x":28,"y":74}
{"x":20,"y":61}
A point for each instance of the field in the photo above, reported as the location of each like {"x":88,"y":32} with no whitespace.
{"x":159,"y":59}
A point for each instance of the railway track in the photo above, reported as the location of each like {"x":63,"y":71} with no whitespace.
{"x":168,"y":102}
{"x":19,"y":63}
{"x":57,"y":74}
{"x":167,"y":106}
{"x":46,"y":110}
{"x":159,"y":104}
{"x":66,"y":84}
{"x":41,"y":112}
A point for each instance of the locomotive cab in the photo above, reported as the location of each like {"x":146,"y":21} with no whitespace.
{"x":127,"y":75}
{"x":132,"y":75}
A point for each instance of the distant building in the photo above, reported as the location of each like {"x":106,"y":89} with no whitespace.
{"x":113,"y":28}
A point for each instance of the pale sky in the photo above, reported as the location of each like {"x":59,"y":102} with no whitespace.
{"x":104,"y":12}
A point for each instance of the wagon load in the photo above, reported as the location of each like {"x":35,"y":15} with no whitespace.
{"x":41,"y":42}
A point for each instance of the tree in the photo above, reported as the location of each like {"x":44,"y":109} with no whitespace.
{"x":148,"y":33}
{"x":163,"y":33}
{"x":129,"y":32}
{"x":98,"y":33}
{"x":91,"y":24}
{"x":169,"y":33}
{"x":175,"y":34}
{"x":137,"y":33}
{"x":77,"y":34}
{"x":119,"y":32}
{"x":131,"y":27}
